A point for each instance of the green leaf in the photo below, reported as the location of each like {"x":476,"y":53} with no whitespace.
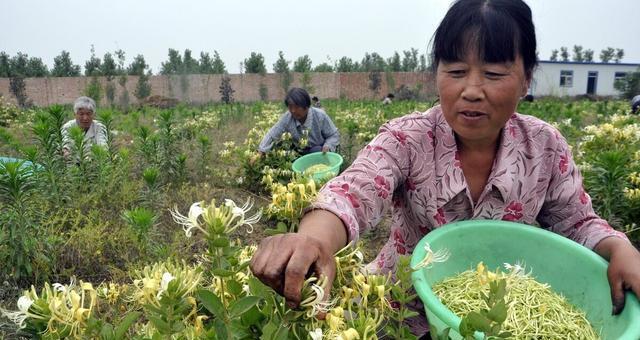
{"x":505,"y":335}
{"x":465,"y":328}
{"x":478,"y":322}
{"x":234,"y":287}
{"x":498,"y":312}
{"x":222,"y":272}
{"x":220,"y":242}
{"x":124,"y":325}
{"x":106,"y":333}
{"x":212,"y":303}
{"x":221,"y":329}
{"x":240,"y":306}
{"x":282,"y":333}
{"x":252,"y":316}
{"x":445,"y":334}
{"x":162,"y":326}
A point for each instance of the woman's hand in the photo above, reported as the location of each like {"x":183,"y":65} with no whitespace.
{"x":283,"y":261}
{"x":623,"y":271}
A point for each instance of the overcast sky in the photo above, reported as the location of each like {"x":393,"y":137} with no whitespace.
{"x":325,"y":30}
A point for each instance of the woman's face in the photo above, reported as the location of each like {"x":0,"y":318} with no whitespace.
{"x":298,"y":112}
{"x":478,"y":98}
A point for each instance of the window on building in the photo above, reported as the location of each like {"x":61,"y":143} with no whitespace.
{"x":566,"y":78}
{"x":619,"y":76}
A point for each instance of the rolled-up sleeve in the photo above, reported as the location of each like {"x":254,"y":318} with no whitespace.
{"x":567,"y":209}
{"x":363,"y":192}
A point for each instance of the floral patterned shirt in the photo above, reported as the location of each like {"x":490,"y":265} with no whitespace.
{"x":413,"y":166}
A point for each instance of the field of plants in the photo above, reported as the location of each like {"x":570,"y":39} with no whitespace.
{"x":151,"y":236}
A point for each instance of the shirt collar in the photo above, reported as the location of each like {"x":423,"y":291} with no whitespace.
{"x":448,"y":167}
{"x":307,"y":122}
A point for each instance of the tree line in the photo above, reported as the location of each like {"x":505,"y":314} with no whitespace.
{"x":580,"y":55}
{"x":113,"y":64}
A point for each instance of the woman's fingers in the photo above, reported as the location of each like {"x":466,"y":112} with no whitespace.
{"x":301,"y":260}
{"x":617,"y":294}
{"x":283,"y":261}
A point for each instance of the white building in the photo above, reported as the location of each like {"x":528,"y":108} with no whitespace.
{"x":561,"y":78}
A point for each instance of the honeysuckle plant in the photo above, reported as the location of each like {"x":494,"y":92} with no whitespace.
{"x":289,"y":201}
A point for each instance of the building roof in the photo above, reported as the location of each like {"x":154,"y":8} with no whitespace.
{"x":586,"y":63}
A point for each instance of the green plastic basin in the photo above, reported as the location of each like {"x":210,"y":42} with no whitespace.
{"x":331,"y":159}
{"x":25,"y":163}
{"x":571,"y":269}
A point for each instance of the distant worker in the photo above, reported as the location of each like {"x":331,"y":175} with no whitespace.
{"x":388,"y":99}
{"x":635,"y":104}
{"x":322,"y":133}
{"x":316,"y":102}
{"x":95,"y":132}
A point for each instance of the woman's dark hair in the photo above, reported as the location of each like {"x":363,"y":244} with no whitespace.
{"x":497,"y":29}
{"x":298,"y":97}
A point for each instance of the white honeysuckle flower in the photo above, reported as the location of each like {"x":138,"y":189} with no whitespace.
{"x":316,"y":334}
{"x":59,"y":287}
{"x":239,"y":213}
{"x":432,"y":257}
{"x":191,"y":221}
{"x":24,"y":303}
{"x":164,"y":283}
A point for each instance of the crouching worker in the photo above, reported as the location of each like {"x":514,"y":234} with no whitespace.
{"x":300,"y":116}
{"x":95,"y":132}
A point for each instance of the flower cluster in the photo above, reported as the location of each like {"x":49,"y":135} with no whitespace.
{"x":58,"y":311}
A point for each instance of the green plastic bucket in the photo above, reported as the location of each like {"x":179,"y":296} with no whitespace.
{"x":571,"y":269}
{"x":331,"y":159}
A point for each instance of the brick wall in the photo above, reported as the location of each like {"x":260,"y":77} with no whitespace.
{"x":205,"y":88}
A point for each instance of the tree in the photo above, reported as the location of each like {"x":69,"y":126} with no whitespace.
{"x":423,"y":63}
{"x":218,"y":64}
{"x":205,"y":63}
{"x":577,"y":54}
{"x":226,"y":91}
{"x":607,"y":54}
{"x":410,"y":60}
{"x":5,"y":65}
{"x":302,"y":64}
{"x":564,"y":53}
{"x":629,"y":86}
{"x":394,"y":63}
{"x":64,"y":67}
{"x":324,"y":67}
{"x":93,"y":90}
{"x":173,"y":65}
{"x":619,"y":55}
{"x":373,"y":62}
{"x":138,"y":66}
{"x":588,"y":56}
{"x":281,"y":66}
{"x":19,"y":65}
{"x":375,"y":82}
{"x":189,"y":64}
{"x":37,"y":68}
{"x":18,"y":89}
{"x":255,"y":64}
{"x":122,"y":80}
{"x":345,"y":64}
{"x":554,"y":55}
{"x":92,"y":66}
{"x":109,"y":70}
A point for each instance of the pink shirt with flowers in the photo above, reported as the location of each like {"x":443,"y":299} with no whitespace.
{"x":413,"y":166}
